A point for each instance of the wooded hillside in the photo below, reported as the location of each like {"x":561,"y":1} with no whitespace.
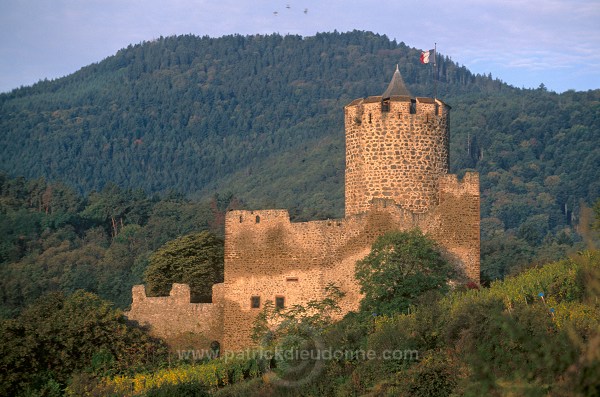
{"x":262,"y":117}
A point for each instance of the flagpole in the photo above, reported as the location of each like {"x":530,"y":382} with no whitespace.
{"x":435,"y":70}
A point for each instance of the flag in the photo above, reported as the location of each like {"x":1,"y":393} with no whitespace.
{"x":426,"y":56}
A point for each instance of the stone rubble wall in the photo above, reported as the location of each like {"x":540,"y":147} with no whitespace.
{"x":455,"y":222}
{"x":171,"y":316}
{"x":396,"y":153}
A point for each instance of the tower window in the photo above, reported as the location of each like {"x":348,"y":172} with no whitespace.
{"x":279,"y":302}
{"x":257,"y":219}
{"x":255,"y":302}
{"x":370,"y":118}
{"x":413,"y":107}
{"x":385,"y":105}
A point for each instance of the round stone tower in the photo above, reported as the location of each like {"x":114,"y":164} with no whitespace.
{"x":396,"y":148}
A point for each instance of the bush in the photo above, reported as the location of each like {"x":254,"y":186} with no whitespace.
{"x":434,"y":376}
{"x":61,"y":335}
{"x":187,"y":389}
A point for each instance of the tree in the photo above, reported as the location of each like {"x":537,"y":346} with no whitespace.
{"x":61,"y":335}
{"x":195,"y":259}
{"x":401,"y":267}
{"x":113,"y":207}
{"x":596,"y":224}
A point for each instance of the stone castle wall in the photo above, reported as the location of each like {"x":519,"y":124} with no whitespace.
{"x":267,"y":256}
{"x":455,"y":222}
{"x":397,"y":149}
{"x":171,"y":316}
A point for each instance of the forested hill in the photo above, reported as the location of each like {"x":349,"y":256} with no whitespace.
{"x":188,"y":113}
{"x":262,"y":117}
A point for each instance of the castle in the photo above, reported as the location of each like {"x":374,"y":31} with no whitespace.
{"x":397,"y":162}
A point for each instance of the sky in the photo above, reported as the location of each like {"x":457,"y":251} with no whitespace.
{"x":522,"y":42}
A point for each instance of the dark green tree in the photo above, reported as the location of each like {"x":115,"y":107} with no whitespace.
{"x":195,"y":259}
{"x":596,"y":224}
{"x":399,"y":269}
{"x":61,"y":335}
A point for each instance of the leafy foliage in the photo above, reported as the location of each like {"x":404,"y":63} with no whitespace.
{"x":434,"y":375}
{"x":248,"y":115}
{"x":52,"y":239}
{"x":61,"y":335}
{"x":289,"y":332}
{"x":195,"y":259}
{"x":401,"y":267}
{"x":502,"y":340}
{"x":596,"y":224}
{"x":189,"y":389}
{"x":208,"y":376}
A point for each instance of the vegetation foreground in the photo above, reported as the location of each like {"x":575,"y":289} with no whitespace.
{"x":535,"y":334}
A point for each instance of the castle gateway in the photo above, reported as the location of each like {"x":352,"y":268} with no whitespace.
{"x":397,"y":162}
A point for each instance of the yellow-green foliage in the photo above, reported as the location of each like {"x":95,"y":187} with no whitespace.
{"x":578,"y":315}
{"x":499,"y":338}
{"x":216,"y":373}
{"x":559,"y":282}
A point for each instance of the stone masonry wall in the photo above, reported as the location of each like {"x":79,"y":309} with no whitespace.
{"x":267,"y":256}
{"x":455,"y":222}
{"x":171,"y":316}
{"x":397,"y":153}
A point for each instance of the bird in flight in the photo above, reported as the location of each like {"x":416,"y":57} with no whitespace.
{"x":289,"y":7}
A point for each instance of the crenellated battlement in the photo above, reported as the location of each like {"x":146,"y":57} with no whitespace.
{"x":375,"y":108}
{"x":296,"y":260}
{"x":174,"y":315}
{"x":257,"y":217}
{"x":243,"y":220}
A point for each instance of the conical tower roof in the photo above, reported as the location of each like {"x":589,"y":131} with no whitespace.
{"x":397,"y":86}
